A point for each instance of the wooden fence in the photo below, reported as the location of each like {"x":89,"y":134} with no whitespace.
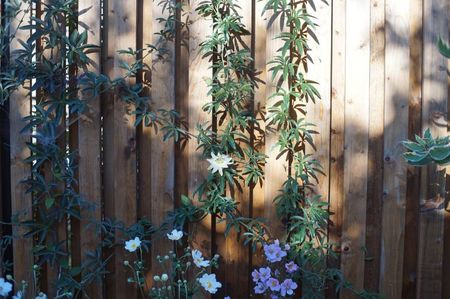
{"x":382,"y":80}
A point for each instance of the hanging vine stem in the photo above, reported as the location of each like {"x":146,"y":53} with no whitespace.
{"x":47,"y":58}
{"x":306,"y":215}
{"x":231,"y":89}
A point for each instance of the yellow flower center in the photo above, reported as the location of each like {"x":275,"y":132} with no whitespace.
{"x":133,"y":246}
{"x":209,"y":284}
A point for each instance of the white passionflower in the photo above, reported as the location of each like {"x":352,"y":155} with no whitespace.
{"x":133,"y":244}
{"x":198,"y":259}
{"x":41,"y":296}
{"x":175,"y":235}
{"x":5,"y":287}
{"x":219,"y":162}
{"x":210,"y":283}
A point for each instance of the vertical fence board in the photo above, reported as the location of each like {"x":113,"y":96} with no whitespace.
{"x":120,"y":141}
{"x":319,"y":70}
{"x":182,"y":97}
{"x":89,"y":175}
{"x":234,"y":254}
{"x":337,"y":130}
{"x":277,"y":175}
{"x":199,"y":69}
{"x":21,"y":202}
{"x":162,"y":152}
{"x":376,"y":130}
{"x":396,"y":129}
{"x":435,"y":97}
{"x":356,"y":140}
{"x":144,"y":133}
{"x":413,"y":174}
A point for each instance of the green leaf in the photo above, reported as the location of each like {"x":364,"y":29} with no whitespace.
{"x":444,"y":48}
{"x":49,"y":202}
{"x":439,"y":153}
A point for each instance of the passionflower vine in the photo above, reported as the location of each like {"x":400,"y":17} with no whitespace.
{"x":219,"y":162}
{"x":209,"y":283}
{"x":175,"y":235}
{"x":133,"y":244}
{"x":198,"y":259}
{"x":5,"y":287}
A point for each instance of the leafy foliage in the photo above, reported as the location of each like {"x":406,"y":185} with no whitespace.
{"x":427,"y":149}
{"x":55,"y":60}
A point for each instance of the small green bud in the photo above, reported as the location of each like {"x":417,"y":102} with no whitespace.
{"x":9,"y":277}
{"x":126,"y":263}
{"x":164,"y":277}
{"x":156,"y":278}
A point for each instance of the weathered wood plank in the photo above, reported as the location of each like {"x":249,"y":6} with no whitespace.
{"x":396,"y":129}
{"x":88,"y":145}
{"x":119,"y":141}
{"x":235,"y":255}
{"x":356,"y":140}
{"x":199,"y":69}
{"x":413,"y":174}
{"x":376,"y":130}
{"x":21,"y":202}
{"x":435,"y":100}
{"x":144,"y":133}
{"x":278,"y":173}
{"x":338,"y":74}
{"x":162,"y":152}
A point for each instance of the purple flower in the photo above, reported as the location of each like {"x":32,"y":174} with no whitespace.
{"x":273,"y":252}
{"x":273,"y":296}
{"x":287,"y":247}
{"x":291,"y":267}
{"x":256,"y":276}
{"x":287,"y":287}
{"x":260,"y":288}
{"x":273,"y":284}
{"x":264,"y":273}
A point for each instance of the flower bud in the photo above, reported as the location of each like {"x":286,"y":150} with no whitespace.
{"x":164,"y":277}
{"x":126,"y":263}
{"x":9,"y":277}
{"x":166,"y":257}
{"x":156,"y":278}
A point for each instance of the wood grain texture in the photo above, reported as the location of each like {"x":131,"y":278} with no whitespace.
{"x":144,"y":133}
{"x":161,"y":152}
{"x":337,"y":131}
{"x":234,"y":254}
{"x":21,"y":202}
{"x":89,"y":148}
{"x":376,"y":146}
{"x":435,"y":100}
{"x":278,"y":173}
{"x":120,"y":142}
{"x":356,"y":140}
{"x":396,"y":128}
{"x":413,"y":174}
{"x":199,"y":69}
